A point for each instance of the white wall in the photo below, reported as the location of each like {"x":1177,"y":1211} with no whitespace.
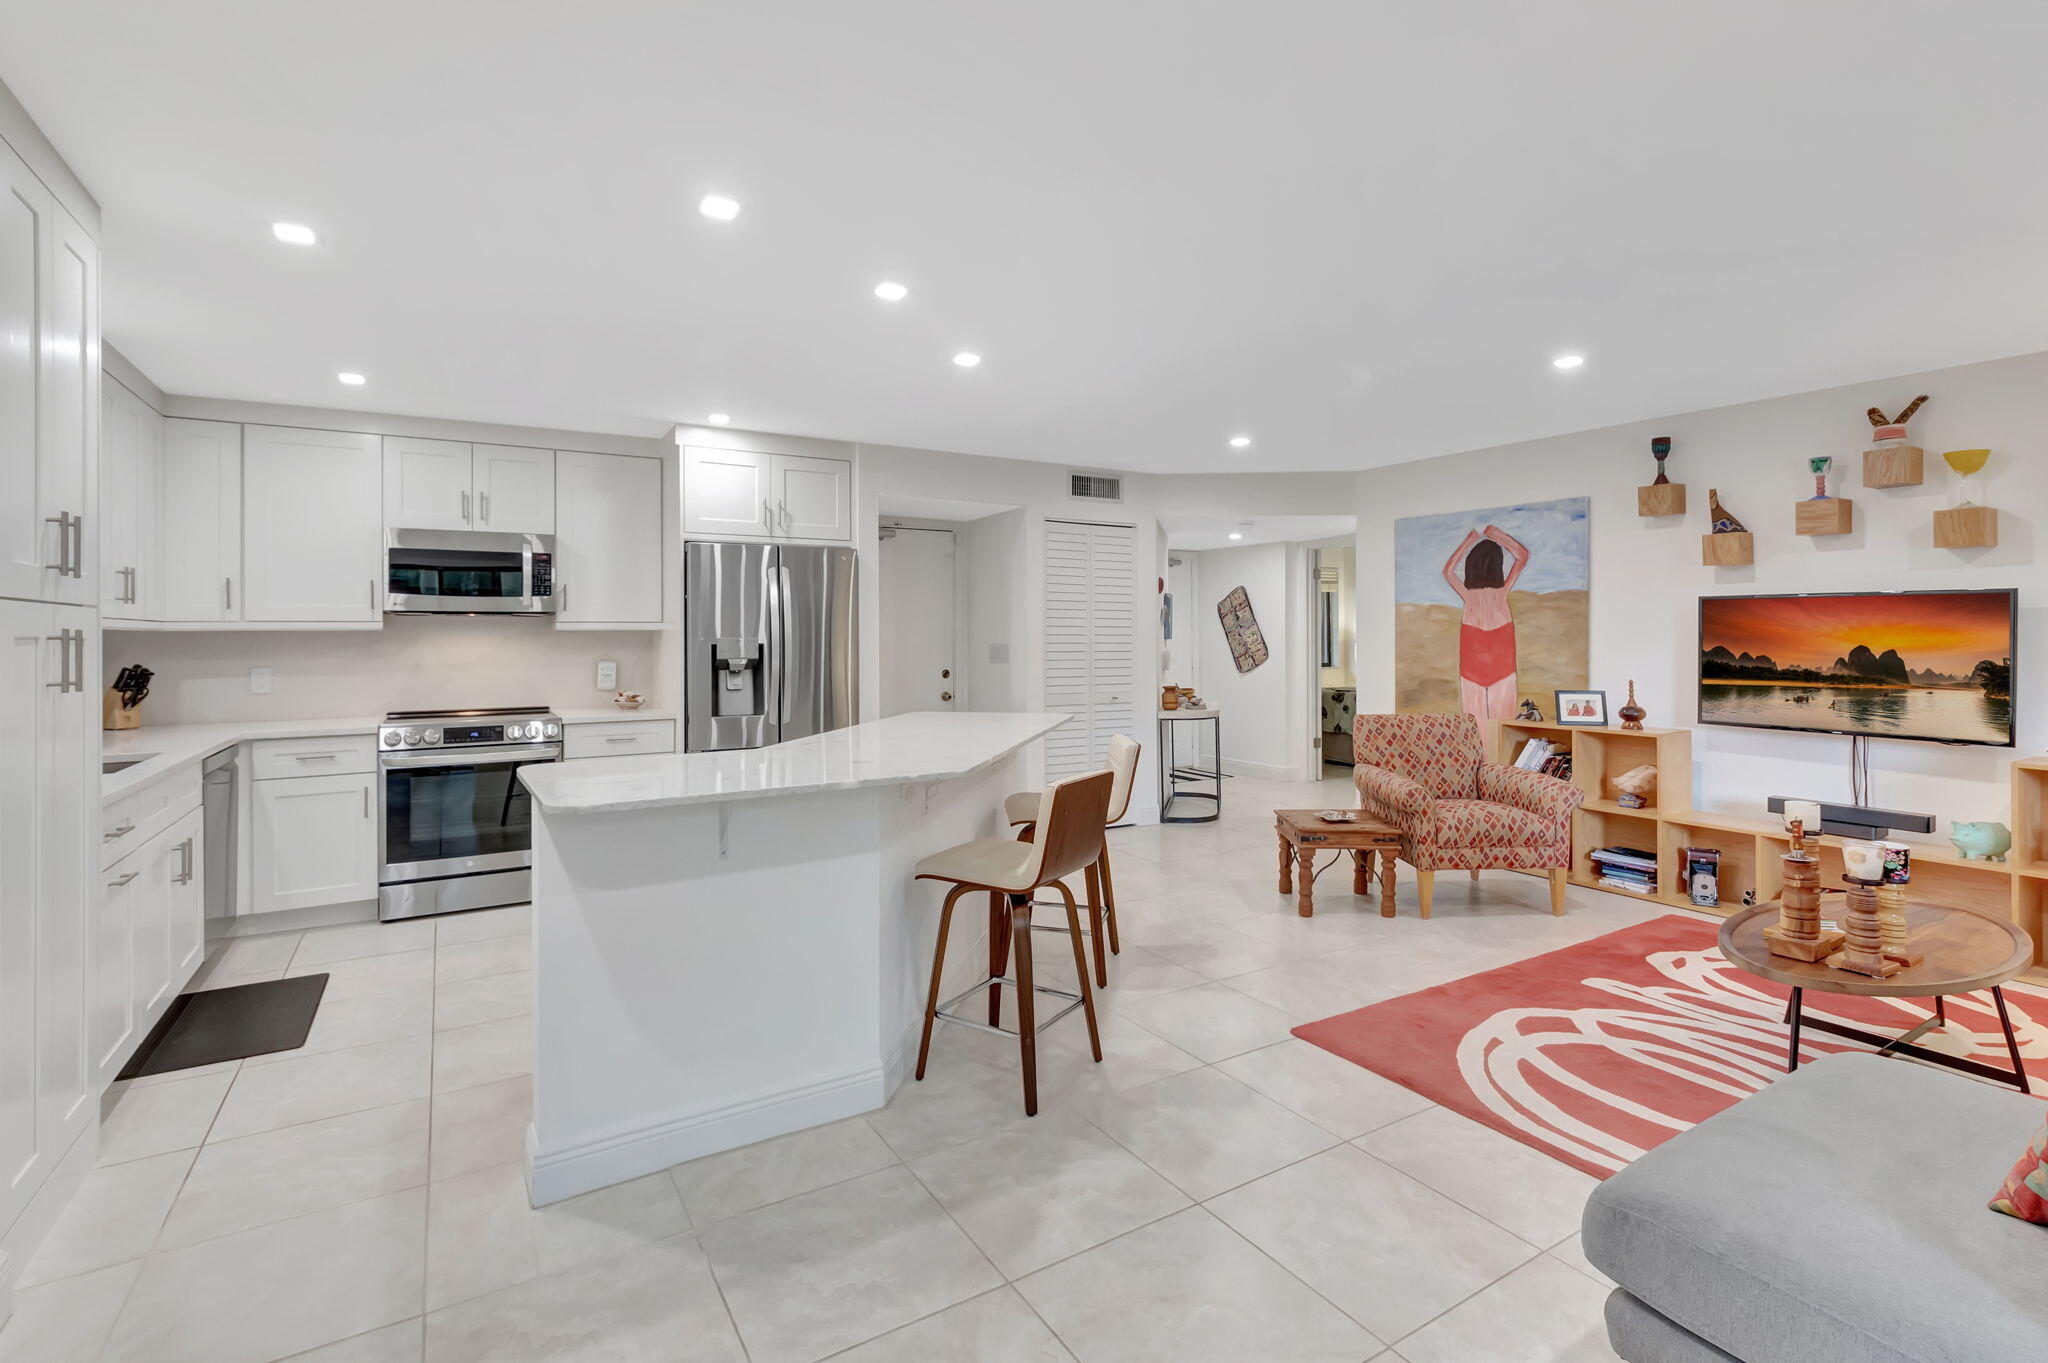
{"x":992,"y":557}
{"x":1647,"y":576}
{"x":1264,"y":724}
{"x":414,"y":663}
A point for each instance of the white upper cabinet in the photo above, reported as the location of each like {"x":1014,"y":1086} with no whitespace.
{"x":131,"y":461}
{"x":312,"y":525}
{"x":426,"y":484}
{"x":608,"y":543}
{"x":514,"y":489}
{"x":199,"y":535}
{"x":49,"y":394}
{"x":454,"y":485}
{"x":783,"y":496}
{"x":813,"y":497}
{"x":725,"y":492}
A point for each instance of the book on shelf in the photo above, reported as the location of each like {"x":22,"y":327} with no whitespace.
{"x":1534,"y":753}
{"x":1626,"y":856}
{"x":1630,"y":886}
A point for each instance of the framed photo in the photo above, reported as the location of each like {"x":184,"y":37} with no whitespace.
{"x":1587,"y":708}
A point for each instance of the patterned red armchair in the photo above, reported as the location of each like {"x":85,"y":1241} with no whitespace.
{"x":1427,"y":776}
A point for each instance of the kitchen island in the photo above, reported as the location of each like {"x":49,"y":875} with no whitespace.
{"x":729,"y":946}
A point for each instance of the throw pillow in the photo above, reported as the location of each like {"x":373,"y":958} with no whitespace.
{"x":2025,"y":1191}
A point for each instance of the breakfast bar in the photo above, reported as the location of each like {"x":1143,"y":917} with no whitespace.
{"x":729,"y":946}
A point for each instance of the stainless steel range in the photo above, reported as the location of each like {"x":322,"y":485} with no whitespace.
{"x":458,"y":826}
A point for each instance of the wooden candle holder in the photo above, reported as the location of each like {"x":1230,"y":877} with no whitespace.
{"x":1891,"y":924}
{"x":1797,"y":933}
{"x":1863,"y":951}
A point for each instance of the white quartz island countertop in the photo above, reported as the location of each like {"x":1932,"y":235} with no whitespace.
{"x":927,"y":745}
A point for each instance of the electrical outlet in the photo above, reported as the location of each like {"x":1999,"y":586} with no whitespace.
{"x":259,"y":681}
{"x":607,"y":675}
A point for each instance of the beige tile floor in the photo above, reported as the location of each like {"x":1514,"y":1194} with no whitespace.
{"x":1214,"y":1189}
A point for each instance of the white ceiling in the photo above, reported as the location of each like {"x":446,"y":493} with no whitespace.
{"x":1214,"y":532}
{"x":1357,"y":230}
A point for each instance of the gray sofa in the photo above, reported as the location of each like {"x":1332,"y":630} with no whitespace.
{"x":1836,"y":1217}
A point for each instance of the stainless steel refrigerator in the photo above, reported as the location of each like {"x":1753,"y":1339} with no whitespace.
{"x":768,"y":643}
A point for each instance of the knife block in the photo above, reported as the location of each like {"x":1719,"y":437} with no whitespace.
{"x":114,"y":716}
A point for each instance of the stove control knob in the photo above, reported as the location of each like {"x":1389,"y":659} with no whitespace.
{"x":412,"y":738}
{"x":391,"y":738}
{"x":433,"y":736}
{"x":519,"y":731}
{"x":554,"y":730}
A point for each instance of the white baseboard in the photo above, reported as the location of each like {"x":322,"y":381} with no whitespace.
{"x":1234,"y":767}
{"x":627,"y":1153}
{"x":292,"y":920}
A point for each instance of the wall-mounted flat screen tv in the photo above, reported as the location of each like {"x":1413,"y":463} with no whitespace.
{"x":1928,"y":665}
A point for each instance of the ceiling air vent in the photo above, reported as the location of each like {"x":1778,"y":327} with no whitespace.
{"x":1096,"y":487}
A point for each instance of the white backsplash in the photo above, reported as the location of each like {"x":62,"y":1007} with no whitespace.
{"x":413,"y":663}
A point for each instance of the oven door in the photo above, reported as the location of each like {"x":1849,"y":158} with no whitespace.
{"x":468,"y":572}
{"x":452,"y":813}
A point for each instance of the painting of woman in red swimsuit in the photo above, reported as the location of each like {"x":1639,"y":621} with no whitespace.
{"x":1490,"y":607}
{"x":1482,"y":570}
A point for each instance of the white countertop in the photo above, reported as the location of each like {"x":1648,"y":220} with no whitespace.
{"x":170,"y":747}
{"x":901,"y":750}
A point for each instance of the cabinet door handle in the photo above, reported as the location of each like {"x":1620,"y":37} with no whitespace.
{"x":373,"y":596}
{"x":117,"y":884}
{"x":483,"y":507}
{"x":227,"y":594}
{"x":112,"y":833}
{"x":78,"y":676}
{"x":62,"y":520}
{"x":465,"y":508}
{"x":78,"y":546}
{"x":63,"y":643}
{"x":628,"y":739}
{"x":366,"y":802}
{"x":317,"y":756}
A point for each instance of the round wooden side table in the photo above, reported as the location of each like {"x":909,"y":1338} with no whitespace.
{"x":1966,"y":951}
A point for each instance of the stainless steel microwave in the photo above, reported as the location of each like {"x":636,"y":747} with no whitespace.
{"x":469,"y":572}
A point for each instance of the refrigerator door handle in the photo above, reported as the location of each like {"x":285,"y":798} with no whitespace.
{"x":773,"y":692}
{"x":784,"y":592}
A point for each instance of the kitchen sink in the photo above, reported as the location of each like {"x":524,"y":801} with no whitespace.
{"x":110,"y":765}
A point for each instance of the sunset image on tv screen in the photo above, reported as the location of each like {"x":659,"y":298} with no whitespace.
{"x":1927,"y":665}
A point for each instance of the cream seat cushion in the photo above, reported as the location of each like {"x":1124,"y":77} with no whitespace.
{"x":1021,"y":807}
{"x":1003,"y":863}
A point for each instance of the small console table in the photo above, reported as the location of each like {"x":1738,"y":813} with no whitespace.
{"x":1174,"y":774}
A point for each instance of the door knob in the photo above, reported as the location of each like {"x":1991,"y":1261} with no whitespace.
{"x":945,"y":672}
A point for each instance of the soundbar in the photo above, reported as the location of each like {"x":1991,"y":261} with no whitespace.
{"x":1859,"y":821}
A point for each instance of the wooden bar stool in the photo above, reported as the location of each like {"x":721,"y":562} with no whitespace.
{"x":1021,"y":810}
{"x":1070,"y":821}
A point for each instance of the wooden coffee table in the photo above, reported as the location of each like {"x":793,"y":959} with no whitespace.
{"x":1965,"y":950}
{"x":1302,"y":835}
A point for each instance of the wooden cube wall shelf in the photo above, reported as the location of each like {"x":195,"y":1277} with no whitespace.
{"x":1893,"y":466}
{"x":1966,"y":527}
{"x":1824,"y":516}
{"x":1730,"y":550}
{"x":1661,"y":499}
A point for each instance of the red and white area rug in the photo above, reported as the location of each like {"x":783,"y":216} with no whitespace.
{"x":1600,"y":1051}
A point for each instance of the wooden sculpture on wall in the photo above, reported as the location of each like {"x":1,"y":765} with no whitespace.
{"x":1241,"y":628}
{"x":1723,"y":522}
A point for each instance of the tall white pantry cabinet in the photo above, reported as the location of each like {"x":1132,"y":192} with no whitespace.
{"x":49,"y":693}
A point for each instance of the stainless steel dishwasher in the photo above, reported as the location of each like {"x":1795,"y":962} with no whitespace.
{"x":217,"y":796}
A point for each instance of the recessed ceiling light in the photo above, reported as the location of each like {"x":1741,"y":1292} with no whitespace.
{"x":1569,"y":361}
{"x":351,"y":378}
{"x":718,"y":418}
{"x":889,"y":291}
{"x":1238,"y":442}
{"x":296,"y":234}
{"x":1237,"y":534}
{"x":967,"y":359}
{"x":719,"y":207}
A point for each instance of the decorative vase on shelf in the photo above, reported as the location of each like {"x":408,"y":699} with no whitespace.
{"x":1169,"y":698}
{"x":1723,"y":522}
{"x":1632,"y":714}
{"x":1967,"y":464}
{"x":1660,"y":450}
{"x":1818,"y":466}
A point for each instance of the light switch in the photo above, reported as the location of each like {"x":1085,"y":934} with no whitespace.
{"x":607,"y":675}
{"x":259,"y":681}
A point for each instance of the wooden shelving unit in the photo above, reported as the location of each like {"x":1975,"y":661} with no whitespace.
{"x":1751,"y":847}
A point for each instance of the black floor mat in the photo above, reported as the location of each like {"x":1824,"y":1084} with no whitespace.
{"x":230,"y":1024}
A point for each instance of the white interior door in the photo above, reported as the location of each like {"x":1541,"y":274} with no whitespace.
{"x":1090,"y":659}
{"x":919,"y":670}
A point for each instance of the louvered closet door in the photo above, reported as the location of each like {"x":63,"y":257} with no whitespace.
{"x":1090,"y":666}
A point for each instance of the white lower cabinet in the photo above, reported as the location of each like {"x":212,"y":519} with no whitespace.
{"x":148,"y":937}
{"x":315,"y":841}
{"x":611,"y":738}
